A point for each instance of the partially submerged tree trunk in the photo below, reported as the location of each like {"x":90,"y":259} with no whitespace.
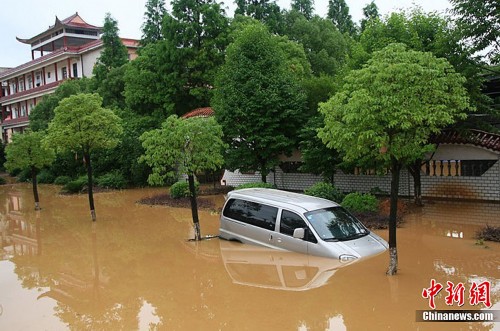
{"x":414,"y":169}
{"x":90,"y":184}
{"x":194,"y":207}
{"x":34,"y":172}
{"x":393,"y":252}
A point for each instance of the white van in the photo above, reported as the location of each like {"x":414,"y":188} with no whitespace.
{"x":296,"y":222}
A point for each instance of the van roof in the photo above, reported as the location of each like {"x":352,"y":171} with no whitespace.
{"x":296,"y":201}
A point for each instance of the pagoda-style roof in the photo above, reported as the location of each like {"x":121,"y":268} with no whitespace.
{"x":74,"y":29}
{"x":199,"y":112}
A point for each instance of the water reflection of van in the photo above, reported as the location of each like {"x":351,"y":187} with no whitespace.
{"x":296,"y":222}
{"x":270,"y":268}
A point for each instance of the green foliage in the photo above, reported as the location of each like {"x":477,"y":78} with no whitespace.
{"x":358,"y":202}
{"x":305,"y":7}
{"x":488,"y":233}
{"x":254,"y":185}
{"x":338,"y":12}
{"x":187,"y":146}
{"x":176,"y":75}
{"x":45,"y":177}
{"x":152,"y":26}
{"x":326,"y":48}
{"x":370,"y":13}
{"x":26,"y":151}
{"x":181,"y":189}
{"x":317,"y":158}
{"x":257,"y":101}
{"x":62,"y":180}
{"x":81,"y":124}
{"x":2,"y":155}
{"x":266,"y":11}
{"x":75,"y":186}
{"x":479,"y":22}
{"x":114,"y":53}
{"x":24,"y":176}
{"x":394,"y":103}
{"x":114,"y":180}
{"x":43,"y":112}
{"x":325,"y":191}
{"x":2,"y":181}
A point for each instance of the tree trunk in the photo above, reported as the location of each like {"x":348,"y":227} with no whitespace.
{"x":194,"y":207}
{"x":395,"y":171}
{"x":90,"y":184}
{"x":417,"y":182}
{"x":35,"y":188}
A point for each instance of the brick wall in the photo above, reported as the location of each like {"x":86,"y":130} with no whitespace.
{"x":486,"y":187}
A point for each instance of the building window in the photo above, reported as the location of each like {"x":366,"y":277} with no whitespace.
{"x":21,"y":85}
{"x":48,"y":74}
{"x":38,"y":79}
{"x":23,"y":111}
{"x":30,"y":82}
{"x":75,"y":70}
{"x":64,"y":71}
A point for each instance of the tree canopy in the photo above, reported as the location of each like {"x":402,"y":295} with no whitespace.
{"x":183,"y":146}
{"x":386,"y":112}
{"x":114,"y":53}
{"x":258,"y":102}
{"x":26,"y":152}
{"x":338,"y":13}
{"x":152,"y":30}
{"x":480,"y":23}
{"x":82,"y":125}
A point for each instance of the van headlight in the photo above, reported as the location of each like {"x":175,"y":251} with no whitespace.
{"x":345,"y":258}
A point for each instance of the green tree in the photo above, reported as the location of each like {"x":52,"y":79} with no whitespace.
{"x":386,"y":112}
{"x":326,"y":48}
{"x":305,"y":7}
{"x":370,"y":13}
{"x":27,"y":152}
{"x":188,"y":146}
{"x":480,"y":23}
{"x":176,"y":75}
{"x":338,"y":13}
{"x":43,"y":112}
{"x":265,"y":11}
{"x":152,"y":30}
{"x":82,"y":125}
{"x":114,"y":53}
{"x":258,"y":102}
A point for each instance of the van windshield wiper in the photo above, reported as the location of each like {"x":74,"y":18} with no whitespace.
{"x":331,"y":239}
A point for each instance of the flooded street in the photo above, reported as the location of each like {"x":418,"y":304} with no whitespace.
{"x":133,"y":269}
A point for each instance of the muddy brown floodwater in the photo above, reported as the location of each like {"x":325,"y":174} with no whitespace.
{"x":134,"y":270}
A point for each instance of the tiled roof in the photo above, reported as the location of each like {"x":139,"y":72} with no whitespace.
{"x":199,"y":112}
{"x":70,"y":49}
{"x":31,"y":91}
{"x":479,"y":138}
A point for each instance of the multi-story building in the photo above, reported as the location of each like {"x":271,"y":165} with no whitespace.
{"x":68,"y":49}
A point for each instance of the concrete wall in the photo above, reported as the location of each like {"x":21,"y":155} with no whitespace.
{"x":485,"y":187}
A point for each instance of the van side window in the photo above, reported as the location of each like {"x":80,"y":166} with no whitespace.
{"x":252,"y":213}
{"x":290,"y":221}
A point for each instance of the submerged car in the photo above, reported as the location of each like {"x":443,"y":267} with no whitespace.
{"x":296,"y":222}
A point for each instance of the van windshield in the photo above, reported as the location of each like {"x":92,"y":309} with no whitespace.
{"x":336,"y":224}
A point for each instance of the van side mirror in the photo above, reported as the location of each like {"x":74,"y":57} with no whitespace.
{"x":299,"y":233}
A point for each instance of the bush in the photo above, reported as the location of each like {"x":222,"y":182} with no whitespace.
{"x":24,"y":176}
{"x":181,"y":189}
{"x":76,"y":186}
{"x":325,"y":191}
{"x":489,"y":233}
{"x":114,"y":180}
{"x":45,"y":177}
{"x":62,"y":180}
{"x":254,"y":185}
{"x":2,"y":181}
{"x":358,"y":202}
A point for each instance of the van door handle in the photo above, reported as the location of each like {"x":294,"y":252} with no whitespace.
{"x":278,"y":239}
{"x":270,"y":237}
